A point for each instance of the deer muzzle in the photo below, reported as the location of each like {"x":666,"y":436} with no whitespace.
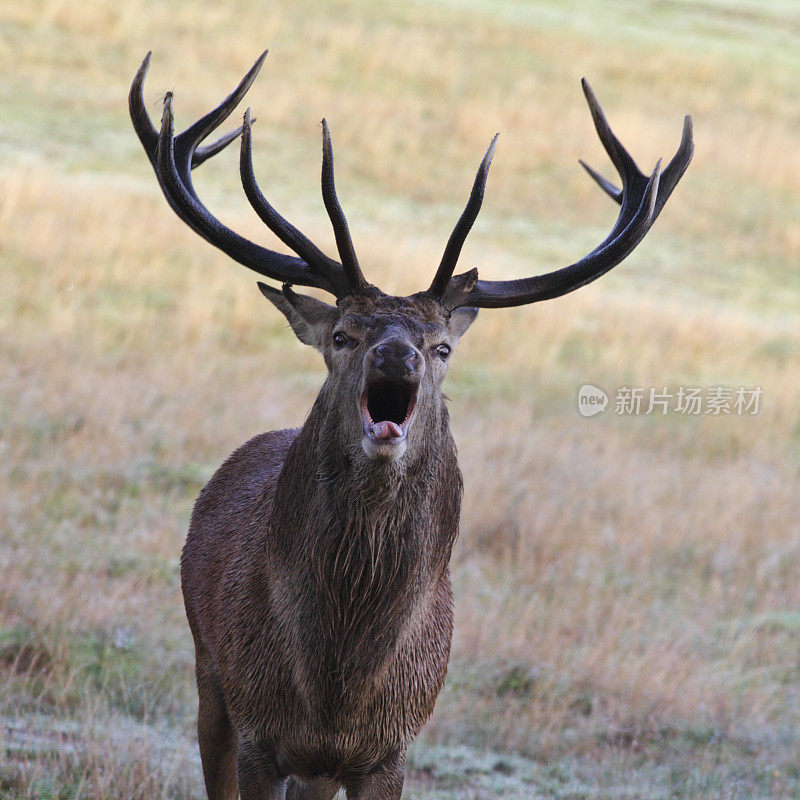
{"x":389,"y":397}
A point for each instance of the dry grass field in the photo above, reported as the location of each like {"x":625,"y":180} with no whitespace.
{"x":628,"y":601}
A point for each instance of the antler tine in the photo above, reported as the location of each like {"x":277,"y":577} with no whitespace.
{"x":464,"y":225}
{"x":608,"y":187}
{"x":173,"y":158}
{"x":674,"y":171}
{"x":633,"y":179}
{"x":280,"y":226}
{"x":186,"y":143}
{"x":202,"y":154}
{"x":344,"y":243}
{"x":142,"y":124}
{"x":619,"y":156}
{"x":641,"y":199}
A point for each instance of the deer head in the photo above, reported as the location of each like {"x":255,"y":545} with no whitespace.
{"x":386,"y":355}
{"x":386,"y":358}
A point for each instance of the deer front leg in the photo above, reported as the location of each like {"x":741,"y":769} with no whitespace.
{"x":216,"y":736}
{"x":384,"y":783}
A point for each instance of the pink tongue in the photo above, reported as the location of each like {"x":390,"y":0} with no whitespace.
{"x":386,"y":430}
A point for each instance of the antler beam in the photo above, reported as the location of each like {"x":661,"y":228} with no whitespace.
{"x":641,"y":199}
{"x":464,"y":224}
{"x":174,"y":157}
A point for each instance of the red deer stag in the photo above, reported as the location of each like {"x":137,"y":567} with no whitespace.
{"x":315,"y":573}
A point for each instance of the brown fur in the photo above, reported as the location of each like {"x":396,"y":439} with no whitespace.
{"x":316,"y":579}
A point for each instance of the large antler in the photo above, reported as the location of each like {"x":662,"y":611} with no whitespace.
{"x":174,"y":157}
{"x":641,"y":199}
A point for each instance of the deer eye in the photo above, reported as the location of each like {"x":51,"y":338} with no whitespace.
{"x":443,"y":351}
{"x":340,"y":340}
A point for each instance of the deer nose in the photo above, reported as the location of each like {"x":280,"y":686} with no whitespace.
{"x":395,"y":356}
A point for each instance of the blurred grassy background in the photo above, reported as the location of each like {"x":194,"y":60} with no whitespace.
{"x":628,"y":606}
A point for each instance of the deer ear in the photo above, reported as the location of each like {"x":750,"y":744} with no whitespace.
{"x":460,"y":319}
{"x":310,"y":318}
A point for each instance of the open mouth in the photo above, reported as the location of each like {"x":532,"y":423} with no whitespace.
{"x":387,"y":408}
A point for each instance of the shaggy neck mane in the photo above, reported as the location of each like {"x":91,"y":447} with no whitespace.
{"x":367,"y":536}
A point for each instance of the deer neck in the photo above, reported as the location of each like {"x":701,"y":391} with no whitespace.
{"x":371,"y":539}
